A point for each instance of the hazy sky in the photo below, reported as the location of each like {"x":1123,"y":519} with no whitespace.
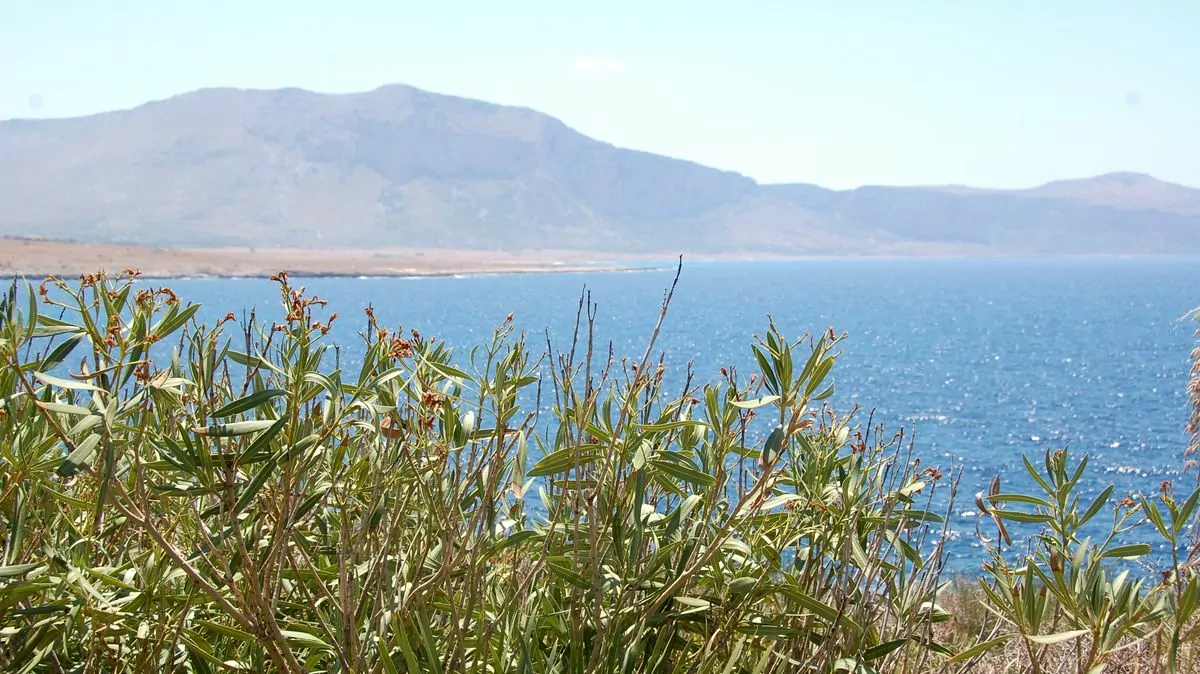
{"x":992,"y":93}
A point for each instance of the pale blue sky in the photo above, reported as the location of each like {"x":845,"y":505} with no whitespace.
{"x":996,"y":93}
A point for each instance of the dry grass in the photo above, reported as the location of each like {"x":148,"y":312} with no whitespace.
{"x":971,"y":623}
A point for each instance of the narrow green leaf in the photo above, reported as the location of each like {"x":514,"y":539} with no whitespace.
{"x":16,"y":530}
{"x":1037,"y":477}
{"x":385,"y":658}
{"x":824,"y":395}
{"x":565,"y":459}
{"x":1048,"y":639}
{"x":766,"y":629}
{"x":668,"y":426}
{"x":737,"y":545}
{"x":685,"y":472}
{"x":233,"y":429}
{"x":692,"y":602}
{"x":60,"y":353}
{"x":174,"y":320}
{"x":182,"y":489}
{"x":512,"y":540}
{"x":822,"y":610}
{"x":254,"y":361}
{"x":257,"y":451}
{"x":177,"y":456}
{"x":979,"y":649}
{"x":1127,"y":551}
{"x":1026,"y":518}
{"x":1185,"y":511}
{"x":78,"y":459}
{"x":42,"y":609}
{"x":68,"y":384}
{"x":17,"y":570}
{"x":252,"y":401}
{"x":304,"y":639}
{"x":49,"y":326}
{"x":1155,"y":517}
{"x":62,"y":408}
{"x":773,"y":446}
{"x":879,"y":650}
{"x":561,"y":566}
{"x":912,"y":516}
{"x":743,"y":584}
{"x":448,"y":371}
{"x":755,"y":403}
{"x":31,"y":319}
{"x":1020,"y":498}
{"x":303,"y":445}
{"x":782,"y":499}
{"x":226,"y":630}
{"x":255,"y":486}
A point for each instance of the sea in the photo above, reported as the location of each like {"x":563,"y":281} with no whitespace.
{"x":979,"y":361}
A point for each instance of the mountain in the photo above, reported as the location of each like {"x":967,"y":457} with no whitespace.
{"x":401,"y":167}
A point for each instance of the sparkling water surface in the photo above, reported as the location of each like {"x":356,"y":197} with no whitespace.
{"x":983,"y":360}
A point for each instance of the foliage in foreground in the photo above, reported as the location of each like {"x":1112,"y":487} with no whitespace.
{"x":182,"y":497}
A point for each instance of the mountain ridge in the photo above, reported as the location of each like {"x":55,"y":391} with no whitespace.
{"x":400,"y":166}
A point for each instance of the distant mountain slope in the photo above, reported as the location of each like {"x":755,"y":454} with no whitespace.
{"x":1124,"y":190}
{"x":402,"y":167}
{"x":1010,"y":222}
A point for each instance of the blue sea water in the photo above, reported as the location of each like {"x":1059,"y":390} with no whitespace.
{"x":982,"y":360}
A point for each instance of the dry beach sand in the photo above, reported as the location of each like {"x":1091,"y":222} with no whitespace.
{"x":39,"y":257}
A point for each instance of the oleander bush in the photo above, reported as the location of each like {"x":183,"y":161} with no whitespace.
{"x":176,"y":496}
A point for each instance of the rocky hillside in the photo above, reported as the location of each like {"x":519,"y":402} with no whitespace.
{"x":403,"y":167}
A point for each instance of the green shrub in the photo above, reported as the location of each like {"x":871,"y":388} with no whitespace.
{"x":246,"y":503}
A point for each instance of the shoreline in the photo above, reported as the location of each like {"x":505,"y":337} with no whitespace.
{"x":413,"y":275}
{"x":465,"y":273}
{"x":38,"y":258}
{"x":31,"y":258}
